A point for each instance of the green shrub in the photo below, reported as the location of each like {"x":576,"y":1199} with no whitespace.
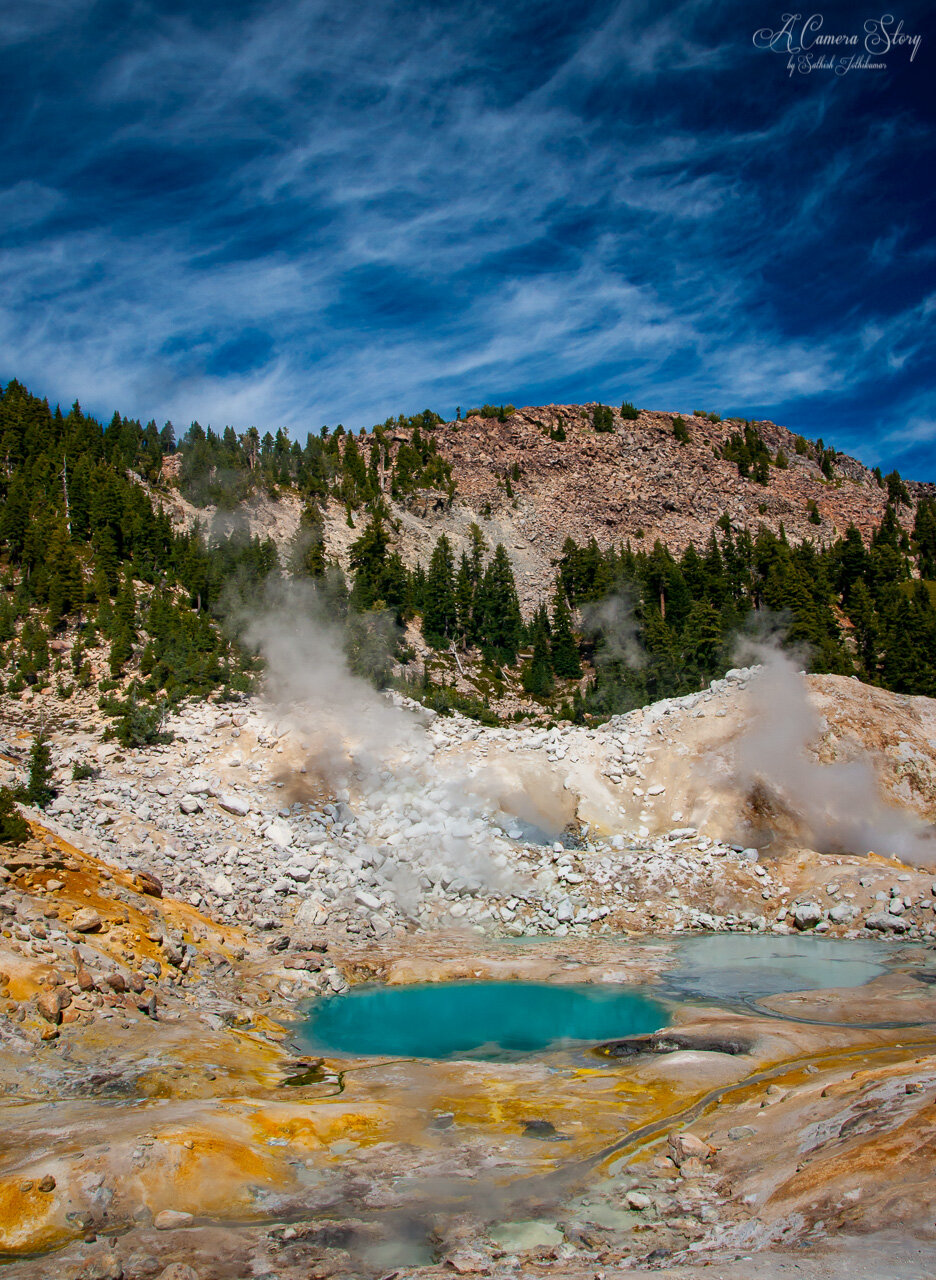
{"x":628,"y":412}
{"x":136,"y":724}
{"x":39,"y":790}
{"x":681,"y":430}
{"x":14,"y":829}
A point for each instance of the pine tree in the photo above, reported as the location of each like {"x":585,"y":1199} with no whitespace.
{"x":308,"y":558}
{"x":703,"y":635}
{"x":367,"y":559}
{"x":14,"y":829}
{"x":564,"y":653}
{"x":440,"y":610}
{"x":500,"y":622}
{"x":39,"y":790}
{"x":66,"y":585}
{"x":537,"y":674}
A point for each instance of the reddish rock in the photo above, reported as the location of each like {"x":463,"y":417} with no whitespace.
{"x":148,"y":883}
{"x":85,"y":979}
{"x":686,"y":1146}
{"x":51,"y":1003}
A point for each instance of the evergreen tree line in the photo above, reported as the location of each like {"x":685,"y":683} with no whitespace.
{"x":398,"y":457}
{"x":83,"y":546}
{"x":854,"y":610}
{"x":655,"y":625}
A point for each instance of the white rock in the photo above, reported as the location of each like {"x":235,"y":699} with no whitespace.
{"x":280,"y":833}
{"x":235,"y":804}
{"x":884,"y":922}
{"x":222,"y":886}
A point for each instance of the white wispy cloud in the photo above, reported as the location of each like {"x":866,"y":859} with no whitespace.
{"x":397,"y":227}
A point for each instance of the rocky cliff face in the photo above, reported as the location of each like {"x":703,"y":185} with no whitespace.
{"x":635,"y":482}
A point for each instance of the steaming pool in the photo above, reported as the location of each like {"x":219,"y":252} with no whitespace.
{"x":499,"y":1021}
{"x":488,"y":1020}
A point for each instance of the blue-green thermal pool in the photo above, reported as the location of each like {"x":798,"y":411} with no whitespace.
{"x":489,"y":1020}
{"x":503,"y":1020}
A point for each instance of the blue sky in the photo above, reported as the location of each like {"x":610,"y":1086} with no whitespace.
{"x":296,"y":212}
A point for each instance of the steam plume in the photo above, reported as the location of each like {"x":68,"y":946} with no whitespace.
{"x":840,"y":805}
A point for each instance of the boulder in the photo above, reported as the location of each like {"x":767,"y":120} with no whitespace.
{"x":312,"y":913}
{"x":686,"y":1146}
{"x":146,"y":882}
{"x":235,"y":804}
{"x":170,"y":1219}
{"x":86,"y":920}
{"x":102,"y":1265}
{"x":884,"y":922}
{"x":51,"y":1003}
{"x":222,"y":886}
{"x":280,"y":834}
{"x":807,"y":914}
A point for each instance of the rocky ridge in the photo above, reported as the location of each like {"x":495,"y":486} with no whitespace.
{"x":635,"y":482}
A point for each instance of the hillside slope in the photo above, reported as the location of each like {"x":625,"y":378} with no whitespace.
{"x":635,"y":482}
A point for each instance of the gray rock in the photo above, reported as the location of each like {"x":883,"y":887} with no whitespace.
{"x":843,"y":913}
{"x":739,"y":1131}
{"x":807,"y":914}
{"x":638,"y":1200}
{"x":105,"y":1265}
{"x":312,"y":913}
{"x":178,"y":1271}
{"x":884,"y":922}
{"x":235,"y":804}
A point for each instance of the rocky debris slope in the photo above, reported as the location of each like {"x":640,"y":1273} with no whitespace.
{"x":636,"y":482}
{"x":641,"y":824}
